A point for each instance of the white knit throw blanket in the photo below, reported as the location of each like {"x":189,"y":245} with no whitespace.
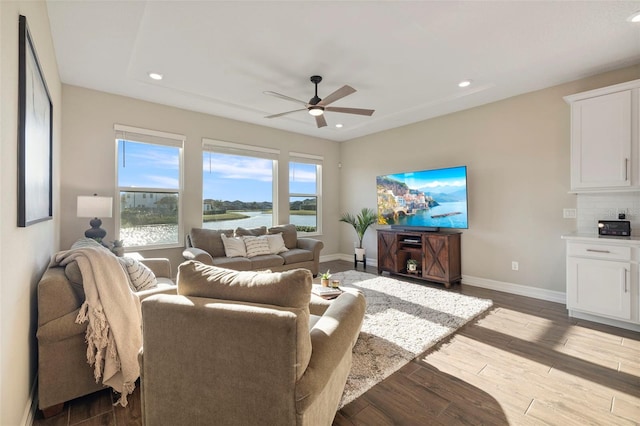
{"x":114,"y":332}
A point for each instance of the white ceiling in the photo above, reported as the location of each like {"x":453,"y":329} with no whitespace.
{"x":403,"y":58}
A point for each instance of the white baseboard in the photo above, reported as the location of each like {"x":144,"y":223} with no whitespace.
{"x":332,"y":257}
{"x":349,"y":258}
{"x":521,"y":290}
{"x":604,"y":320}
{"x":32,"y":405}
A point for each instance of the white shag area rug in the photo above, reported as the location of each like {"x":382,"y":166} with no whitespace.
{"x":402,"y":320}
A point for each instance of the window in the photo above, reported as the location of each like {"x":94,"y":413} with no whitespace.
{"x":304,"y":192}
{"x":149,"y":174}
{"x":239,"y":185}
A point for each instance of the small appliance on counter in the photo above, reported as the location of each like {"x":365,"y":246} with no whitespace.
{"x":614,"y":228}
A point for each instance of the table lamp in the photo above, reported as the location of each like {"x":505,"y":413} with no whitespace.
{"x":94,"y":206}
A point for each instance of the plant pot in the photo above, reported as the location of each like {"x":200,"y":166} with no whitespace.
{"x":411,"y":267}
{"x":324,"y":282}
{"x":359,"y":253}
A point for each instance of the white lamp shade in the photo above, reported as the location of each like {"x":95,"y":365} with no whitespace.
{"x":94,"y":206}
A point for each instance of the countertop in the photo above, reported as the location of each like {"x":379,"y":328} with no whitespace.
{"x":594,"y":237}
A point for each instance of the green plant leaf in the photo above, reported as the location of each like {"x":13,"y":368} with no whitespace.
{"x":360,"y":222}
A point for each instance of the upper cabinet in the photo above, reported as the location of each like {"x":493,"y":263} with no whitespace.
{"x":605,"y":141}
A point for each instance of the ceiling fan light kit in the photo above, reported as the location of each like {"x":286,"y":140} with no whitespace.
{"x":317,"y":106}
{"x":316,"y":110}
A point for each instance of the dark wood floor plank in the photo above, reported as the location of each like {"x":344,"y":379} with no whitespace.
{"x":90,"y":406}
{"x":410,"y":402}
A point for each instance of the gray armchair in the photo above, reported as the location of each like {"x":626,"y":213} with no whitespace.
{"x":243,"y":348}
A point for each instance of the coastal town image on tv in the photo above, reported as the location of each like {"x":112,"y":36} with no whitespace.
{"x":424,"y":199}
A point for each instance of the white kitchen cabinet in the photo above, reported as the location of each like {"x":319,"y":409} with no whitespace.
{"x":603,"y":280}
{"x":599,"y":287}
{"x":605,"y":148}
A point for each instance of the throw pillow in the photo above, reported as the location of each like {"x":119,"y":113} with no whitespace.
{"x":140,"y":276}
{"x":256,"y":246}
{"x":287,"y":289}
{"x":290,"y":290}
{"x":289,"y":234}
{"x":276,"y":243}
{"x":254,"y":232}
{"x":233,"y":247}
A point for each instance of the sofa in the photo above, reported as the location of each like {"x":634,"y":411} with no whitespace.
{"x":245,"y":348}
{"x":224,"y":248}
{"x":63,"y":371}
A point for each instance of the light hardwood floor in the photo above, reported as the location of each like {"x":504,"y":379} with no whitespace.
{"x":525,"y":362}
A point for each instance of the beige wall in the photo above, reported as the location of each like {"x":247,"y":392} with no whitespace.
{"x":517,"y":153}
{"x":88,"y":157}
{"x":24,"y":252}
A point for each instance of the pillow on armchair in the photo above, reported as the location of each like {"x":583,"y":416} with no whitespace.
{"x":290,"y":290}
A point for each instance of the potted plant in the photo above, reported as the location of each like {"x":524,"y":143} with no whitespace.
{"x":360,"y":222}
{"x":412,"y":265}
{"x":324,"y":278}
{"x":118,"y":248}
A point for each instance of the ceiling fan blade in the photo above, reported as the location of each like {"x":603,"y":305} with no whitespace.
{"x":338,"y":94}
{"x":359,"y":111}
{"x":320,"y":121}
{"x":285,"y":97}
{"x":285,"y":113}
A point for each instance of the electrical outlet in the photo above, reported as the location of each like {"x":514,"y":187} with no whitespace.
{"x":515,"y":266}
{"x":568,"y":213}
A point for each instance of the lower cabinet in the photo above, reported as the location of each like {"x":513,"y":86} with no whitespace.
{"x":603,"y":280}
{"x":600,"y":287}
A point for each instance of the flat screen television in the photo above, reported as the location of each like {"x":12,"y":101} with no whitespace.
{"x":424,"y":200}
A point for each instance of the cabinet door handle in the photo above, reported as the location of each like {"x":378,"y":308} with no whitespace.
{"x":626,"y":288}
{"x":598,"y":251}
{"x":626,"y":169}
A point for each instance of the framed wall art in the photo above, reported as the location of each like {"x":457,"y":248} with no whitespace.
{"x":35,"y":139}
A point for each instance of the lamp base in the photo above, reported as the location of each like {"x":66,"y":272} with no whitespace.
{"x":95,"y":232}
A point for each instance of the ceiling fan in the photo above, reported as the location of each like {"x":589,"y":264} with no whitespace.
{"x":317,"y":106}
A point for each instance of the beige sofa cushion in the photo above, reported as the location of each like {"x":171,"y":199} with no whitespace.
{"x":209,"y":240}
{"x":253,"y":232}
{"x":289,"y":234}
{"x":290,"y":290}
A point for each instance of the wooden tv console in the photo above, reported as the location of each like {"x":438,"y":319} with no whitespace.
{"x":437,"y":254}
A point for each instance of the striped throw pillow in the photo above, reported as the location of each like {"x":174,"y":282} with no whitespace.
{"x":140,"y":276}
{"x":256,"y":246}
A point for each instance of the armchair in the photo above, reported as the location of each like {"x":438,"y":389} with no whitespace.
{"x":242,"y":348}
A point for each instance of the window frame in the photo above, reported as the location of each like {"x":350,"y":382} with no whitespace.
{"x":159,"y":138}
{"x":245,"y":150}
{"x":318,"y":161}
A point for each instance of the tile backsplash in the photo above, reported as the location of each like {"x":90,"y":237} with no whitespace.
{"x":594,"y":207}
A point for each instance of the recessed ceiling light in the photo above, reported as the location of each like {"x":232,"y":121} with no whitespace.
{"x":635,"y":17}
{"x":464,"y":83}
{"x":339,"y":126}
{"x":155,"y":76}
